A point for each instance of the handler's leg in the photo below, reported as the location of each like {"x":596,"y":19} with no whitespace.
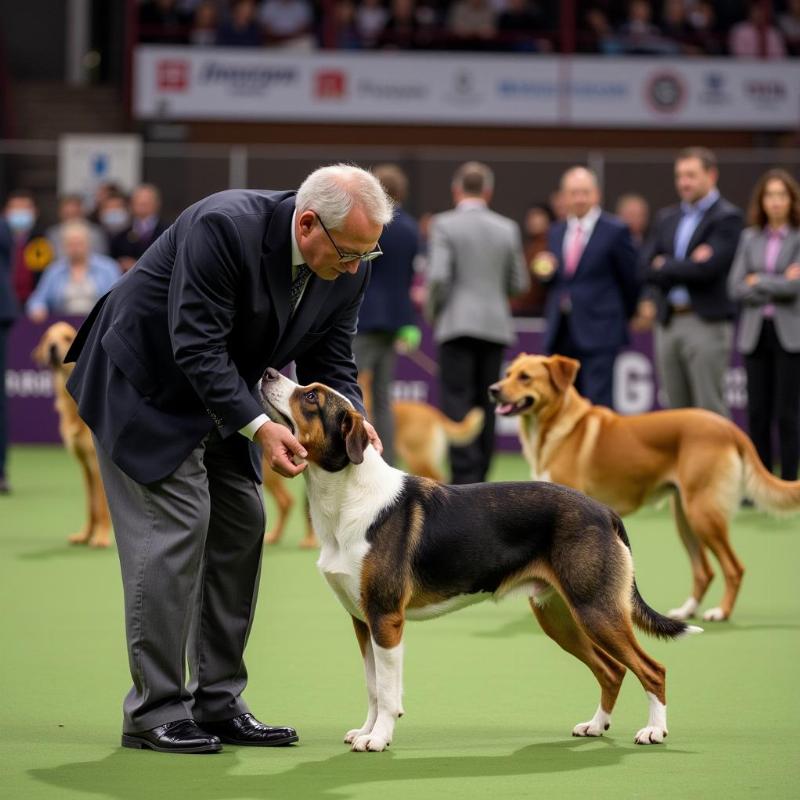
{"x":160,"y":531}
{"x":227,"y":592}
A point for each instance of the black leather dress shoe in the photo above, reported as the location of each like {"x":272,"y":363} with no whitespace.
{"x":182,"y":736}
{"x":246,"y":729}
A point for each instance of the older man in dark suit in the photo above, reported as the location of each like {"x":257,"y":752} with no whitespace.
{"x":685,"y":263}
{"x":166,"y":376}
{"x":593,"y":285}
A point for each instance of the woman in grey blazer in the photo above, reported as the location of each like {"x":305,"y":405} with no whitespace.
{"x":765,"y":279}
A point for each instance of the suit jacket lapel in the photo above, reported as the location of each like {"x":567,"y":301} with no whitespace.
{"x":591,"y":242}
{"x":277,"y":262}
{"x":790,"y":250}
{"x":316,"y":292}
{"x":700,"y":230}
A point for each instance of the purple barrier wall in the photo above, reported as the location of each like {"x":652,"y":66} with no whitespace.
{"x":33,"y":419}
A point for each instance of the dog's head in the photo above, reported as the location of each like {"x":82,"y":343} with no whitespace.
{"x":532,"y":383}
{"x":53,"y":345}
{"x":321,"y":419}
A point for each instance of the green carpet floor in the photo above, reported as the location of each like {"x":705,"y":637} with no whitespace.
{"x":490,"y":700}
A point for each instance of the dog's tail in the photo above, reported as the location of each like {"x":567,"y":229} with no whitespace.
{"x":768,"y":492}
{"x":646,"y":618}
{"x":464,"y":432}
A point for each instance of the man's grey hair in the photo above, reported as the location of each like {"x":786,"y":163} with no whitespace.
{"x":332,"y":192}
{"x":473,"y":178}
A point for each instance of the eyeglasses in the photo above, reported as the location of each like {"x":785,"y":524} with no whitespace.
{"x":346,"y":257}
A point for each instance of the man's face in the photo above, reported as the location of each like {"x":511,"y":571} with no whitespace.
{"x":76,"y":245}
{"x":356,"y":235}
{"x":692,"y":180}
{"x":144,"y":203}
{"x":580,"y":193}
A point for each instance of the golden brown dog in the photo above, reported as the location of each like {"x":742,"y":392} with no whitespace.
{"x":75,"y":434}
{"x":704,"y":461}
{"x":422,"y":435}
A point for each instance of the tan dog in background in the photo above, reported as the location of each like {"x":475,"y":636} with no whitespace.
{"x":75,"y":434}
{"x":422,"y":435}
{"x":704,"y":461}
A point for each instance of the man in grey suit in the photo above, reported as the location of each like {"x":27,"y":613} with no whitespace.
{"x":475,"y":264}
{"x":168,"y":365}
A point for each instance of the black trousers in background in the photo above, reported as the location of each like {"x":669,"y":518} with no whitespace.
{"x":773,"y":392}
{"x":4,"y":331}
{"x":467,"y":368}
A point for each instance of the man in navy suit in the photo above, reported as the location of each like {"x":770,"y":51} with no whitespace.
{"x":167,"y":370}
{"x":387,"y":317}
{"x":593,"y":285}
{"x":9,"y":309}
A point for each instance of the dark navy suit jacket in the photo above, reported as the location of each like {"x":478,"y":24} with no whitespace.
{"x":602,"y":291}
{"x":720,"y":228}
{"x":387,"y":302}
{"x":179,"y":344}
{"x":8,"y":300}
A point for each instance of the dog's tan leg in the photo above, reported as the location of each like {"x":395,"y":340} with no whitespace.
{"x":701,"y":568}
{"x":309,"y":541}
{"x":85,"y":533}
{"x":386,"y":632}
{"x":558,"y":623}
{"x":365,"y":644}
{"x":273,"y":483}
{"x":711,"y":526}
{"x":613,"y":632}
{"x":101,"y":517}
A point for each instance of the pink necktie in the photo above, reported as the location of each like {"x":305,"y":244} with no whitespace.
{"x":575,"y":252}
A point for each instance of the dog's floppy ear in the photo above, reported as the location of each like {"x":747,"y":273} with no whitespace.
{"x":355,"y":436}
{"x":563,"y":371}
{"x":39,"y":354}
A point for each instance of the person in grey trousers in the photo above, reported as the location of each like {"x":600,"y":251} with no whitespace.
{"x":167,"y":372}
{"x":765,"y":280}
{"x":476,"y":264}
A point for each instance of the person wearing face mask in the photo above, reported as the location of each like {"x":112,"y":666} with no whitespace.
{"x":31,"y":252}
{"x":113,"y":214}
{"x":145,"y":227}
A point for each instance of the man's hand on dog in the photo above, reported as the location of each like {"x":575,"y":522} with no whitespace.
{"x":279,"y":448}
{"x":373,"y":437}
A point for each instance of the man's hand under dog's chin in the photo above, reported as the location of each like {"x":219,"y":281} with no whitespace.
{"x":280,"y":448}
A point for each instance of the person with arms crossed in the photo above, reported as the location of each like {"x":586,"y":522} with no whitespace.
{"x":168,"y":364}
{"x":765,"y":280}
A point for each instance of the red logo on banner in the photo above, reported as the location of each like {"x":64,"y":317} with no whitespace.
{"x":173,"y":75}
{"x":330,"y":83}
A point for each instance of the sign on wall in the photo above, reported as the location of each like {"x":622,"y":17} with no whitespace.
{"x":179,"y":83}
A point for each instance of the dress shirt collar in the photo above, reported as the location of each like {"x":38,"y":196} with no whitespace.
{"x":469,"y":203}
{"x":780,"y":233}
{"x":587,"y":221}
{"x":702,"y":205}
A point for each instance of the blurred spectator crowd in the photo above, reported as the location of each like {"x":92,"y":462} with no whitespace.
{"x":610,"y":27}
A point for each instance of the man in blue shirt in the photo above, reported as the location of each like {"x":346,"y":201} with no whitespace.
{"x":685,"y":263}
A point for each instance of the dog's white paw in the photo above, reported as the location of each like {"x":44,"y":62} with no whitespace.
{"x":686,"y":611}
{"x":353,"y":734}
{"x":370,"y":742}
{"x":715,"y":615}
{"x":591,"y":728}
{"x":652,"y":734}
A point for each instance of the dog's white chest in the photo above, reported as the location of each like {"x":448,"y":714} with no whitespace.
{"x":341,"y":567}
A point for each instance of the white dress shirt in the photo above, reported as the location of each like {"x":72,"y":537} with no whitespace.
{"x":587,"y":223}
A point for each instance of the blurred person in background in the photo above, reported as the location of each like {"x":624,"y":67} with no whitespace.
{"x":471,"y":22}
{"x":639,"y":35}
{"x":344,"y":30}
{"x":371,"y":17}
{"x":241,"y":27}
{"x":145,"y":227}
{"x":8,"y":313}
{"x":765,"y":280}
{"x":403,"y":29}
{"x":535,"y":228}
{"x":163,"y":22}
{"x":288,"y":22}
{"x":475,"y":264}
{"x":71,"y":285}
{"x":31,"y":251}
{"x":755,"y":37}
{"x":70,"y":209}
{"x":518,"y":24}
{"x":205,"y":22}
{"x":634,"y":211}
{"x":789,"y":24}
{"x":102,"y":191}
{"x":113,"y":214}
{"x":685,"y":263}
{"x":386,"y":321}
{"x":593,"y":286}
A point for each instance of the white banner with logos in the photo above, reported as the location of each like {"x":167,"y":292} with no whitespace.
{"x":180,"y":83}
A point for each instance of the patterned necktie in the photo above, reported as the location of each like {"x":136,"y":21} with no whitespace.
{"x":296,"y":289}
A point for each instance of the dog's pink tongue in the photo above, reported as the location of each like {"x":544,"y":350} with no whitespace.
{"x":504,"y":408}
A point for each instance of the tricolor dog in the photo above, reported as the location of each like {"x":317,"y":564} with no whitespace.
{"x":397,"y":547}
